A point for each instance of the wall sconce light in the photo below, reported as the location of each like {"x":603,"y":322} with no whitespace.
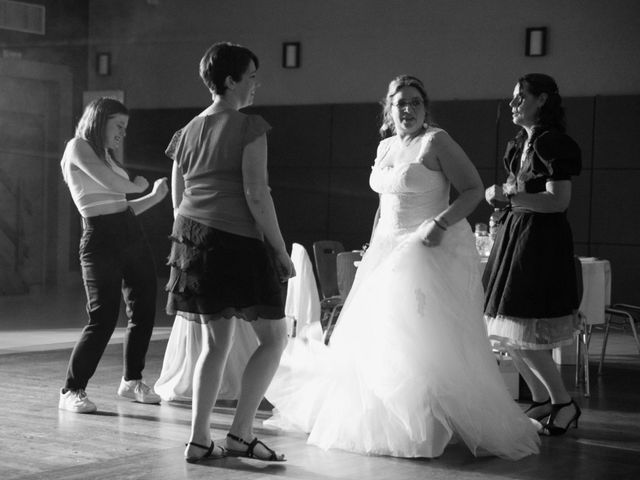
{"x":536,"y":45}
{"x":103,"y":64}
{"x":291,"y":55}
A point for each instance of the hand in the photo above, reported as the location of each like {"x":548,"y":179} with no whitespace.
{"x":430,"y":233}
{"x":284,"y":267}
{"x":160,"y":188}
{"x":495,"y":194}
{"x":141,"y":182}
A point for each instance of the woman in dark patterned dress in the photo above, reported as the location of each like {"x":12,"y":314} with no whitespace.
{"x":530,"y":280}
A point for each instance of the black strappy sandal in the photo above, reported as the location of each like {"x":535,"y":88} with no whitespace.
{"x":552,"y":429}
{"x":209,"y":455}
{"x":249,"y":453}
{"x":536,"y":410}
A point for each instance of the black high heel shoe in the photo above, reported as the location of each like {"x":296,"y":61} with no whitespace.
{"x":539,"y":410}
{"x":551,"y":429}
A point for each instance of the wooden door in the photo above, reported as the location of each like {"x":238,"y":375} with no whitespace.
{"x":34,"y":120}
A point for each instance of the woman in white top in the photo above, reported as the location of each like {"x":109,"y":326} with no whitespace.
{"x":114,"y":254}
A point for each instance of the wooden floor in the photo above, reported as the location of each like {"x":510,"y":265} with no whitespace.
{"x":126,"y":440}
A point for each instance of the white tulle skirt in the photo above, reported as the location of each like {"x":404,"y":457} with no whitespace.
{"x":409,"y":367}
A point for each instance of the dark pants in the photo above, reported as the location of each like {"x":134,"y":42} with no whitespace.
{"x":115,"y":258}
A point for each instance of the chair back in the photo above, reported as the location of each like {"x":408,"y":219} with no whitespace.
{"x":346,"y":271}
{"x":325,"y":253}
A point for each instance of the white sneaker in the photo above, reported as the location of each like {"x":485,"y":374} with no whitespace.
{"x":137,"y":390}
{"x":76,"y":401}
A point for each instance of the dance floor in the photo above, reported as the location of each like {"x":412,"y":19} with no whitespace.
{"x":126,"y":440}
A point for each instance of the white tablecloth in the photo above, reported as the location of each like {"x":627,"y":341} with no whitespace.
{"x":596,"y":279}
{"x":303,"y":302}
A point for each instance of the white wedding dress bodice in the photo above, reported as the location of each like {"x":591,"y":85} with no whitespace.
{"x":410,"y":193}
{"x":409,"y":367}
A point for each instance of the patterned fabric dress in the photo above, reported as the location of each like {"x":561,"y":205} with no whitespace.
{"x":530,"y":278}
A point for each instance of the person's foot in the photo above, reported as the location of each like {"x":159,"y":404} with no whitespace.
{"x":196,"y":452}
{"x":539,"y":410}
{"x":563,"y":416}
{"x":238,"y":447}
{"x":76,"y":401}
{"x":137,"y":390}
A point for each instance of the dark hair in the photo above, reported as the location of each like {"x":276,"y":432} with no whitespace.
{"x":551,"y":113}
{"x":93,"y":123}
{"x":222,"y":60}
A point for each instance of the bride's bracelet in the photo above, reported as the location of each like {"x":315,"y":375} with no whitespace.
{"x":440,"y":225}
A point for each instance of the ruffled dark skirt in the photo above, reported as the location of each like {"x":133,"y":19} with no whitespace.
{"x":221,"y":274}
{"x":531,"y":294}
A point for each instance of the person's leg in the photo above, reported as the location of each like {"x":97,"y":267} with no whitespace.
{"x":539,"y":392}
{"x":102,"y":277}
{"x":541,"y":406}
{"x":139,"y":293}
{"x":564,"y":410}
{"x":259,"y":372}
{"x":541,"y":364}
{"x":207,"y":377}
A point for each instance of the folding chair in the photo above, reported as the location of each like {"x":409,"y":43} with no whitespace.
{"x":325,"y":253}
{"x":584,"y":335}
{"x":620,"y":314}
{"x":346,"y":271}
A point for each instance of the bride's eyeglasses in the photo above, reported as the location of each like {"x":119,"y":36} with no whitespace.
{"x":413,"y":103}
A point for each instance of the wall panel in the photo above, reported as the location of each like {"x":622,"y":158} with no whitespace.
{"x":149,"y":133}
{"x":579,"y":112}
{"x":354,"y":134}
{"x":616,"y":207}
{"x":580,"y":209}
{"x":301,"y":198}
{"x":473,"y":125}
{"x":300,"y":137}
{"x":616,"y":131}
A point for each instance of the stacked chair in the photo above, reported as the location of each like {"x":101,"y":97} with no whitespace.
{"x":346,"y":271}
{"x":619,"y":315}
{"x":325,"y":253}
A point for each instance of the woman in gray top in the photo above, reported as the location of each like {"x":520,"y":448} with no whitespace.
{"x":228,"y":258}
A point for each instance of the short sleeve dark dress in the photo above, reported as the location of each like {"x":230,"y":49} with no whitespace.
{"x":531,"y":295}
{"x":221,"y":266}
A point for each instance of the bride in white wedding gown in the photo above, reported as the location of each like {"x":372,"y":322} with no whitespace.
{"x":409,"y":367}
